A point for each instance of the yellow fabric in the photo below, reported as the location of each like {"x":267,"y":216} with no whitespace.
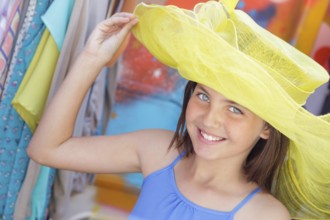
{"x":31,"y":97}
{"x":226,"y":50}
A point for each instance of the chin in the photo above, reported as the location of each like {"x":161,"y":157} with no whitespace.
{"x":205,"y":153}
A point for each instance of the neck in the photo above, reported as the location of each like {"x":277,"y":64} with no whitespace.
{"x":218,"y":173}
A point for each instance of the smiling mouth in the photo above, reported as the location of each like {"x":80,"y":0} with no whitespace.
{"x":210,"y":138}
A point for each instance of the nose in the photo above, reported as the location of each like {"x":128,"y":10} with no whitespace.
{"x":212,"y":118}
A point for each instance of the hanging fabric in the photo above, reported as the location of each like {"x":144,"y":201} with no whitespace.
{"x":31,"y":97}
{"x":10,"y":15}
{"x":29,"y":100}
{"x":16,"y":134}
{"x":84,"y":17}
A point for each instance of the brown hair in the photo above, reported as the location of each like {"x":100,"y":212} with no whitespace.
{"x":262,"y":162}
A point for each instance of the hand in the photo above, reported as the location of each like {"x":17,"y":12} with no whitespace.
{"x":108,"y":36}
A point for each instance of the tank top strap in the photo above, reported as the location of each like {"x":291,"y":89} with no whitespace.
{"x":245,"y":200}
{"x":178,"y":158}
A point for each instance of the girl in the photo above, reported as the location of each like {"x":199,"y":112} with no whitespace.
{"x":225,"y":157}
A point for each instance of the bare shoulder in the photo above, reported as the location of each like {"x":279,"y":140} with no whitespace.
{"x":271,"y":208}
{"x":155,"y":153}
{"x":264,"y":206}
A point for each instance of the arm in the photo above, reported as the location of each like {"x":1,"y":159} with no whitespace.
{"x":52,"y":143}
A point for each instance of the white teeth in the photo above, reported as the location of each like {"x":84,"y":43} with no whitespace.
{"x":209,"y":137}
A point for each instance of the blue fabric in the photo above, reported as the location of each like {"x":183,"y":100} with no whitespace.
{"x":41,"y":193}
{"x":14,"y":133}
{"x":56,"y":24}
{"x":160,"y":199}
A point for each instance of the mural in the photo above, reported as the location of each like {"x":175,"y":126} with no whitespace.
{"x":146,"y":90}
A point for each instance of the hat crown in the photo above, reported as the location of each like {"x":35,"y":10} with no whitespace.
{"x":295,"y":72}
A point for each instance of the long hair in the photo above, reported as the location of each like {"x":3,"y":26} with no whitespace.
{"x":262,"y":162}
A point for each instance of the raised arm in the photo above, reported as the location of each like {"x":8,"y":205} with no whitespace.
{"x":52,"y":143}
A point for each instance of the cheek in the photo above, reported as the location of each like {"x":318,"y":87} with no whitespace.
{"x":248,"y":131}
{"x":189,"y":119}
{"x":254,"y":131}
{"x":189,"y":111}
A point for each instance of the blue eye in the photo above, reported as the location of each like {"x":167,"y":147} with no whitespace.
{"x":203,"y":97}
{"x":235,"y":110}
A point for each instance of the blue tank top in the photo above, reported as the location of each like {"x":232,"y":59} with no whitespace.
{"x":161,"y":199}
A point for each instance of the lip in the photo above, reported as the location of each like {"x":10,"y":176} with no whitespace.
{"x":203,"y":140}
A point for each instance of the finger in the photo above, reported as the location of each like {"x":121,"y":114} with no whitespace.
{"x":127,"y":27}
{"x":118,"y":20}
{"x":123,"y":14}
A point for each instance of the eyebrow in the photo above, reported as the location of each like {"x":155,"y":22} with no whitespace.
{"x":201,"y":87}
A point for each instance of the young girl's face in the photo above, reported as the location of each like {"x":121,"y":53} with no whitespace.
{"x":220,"y":128}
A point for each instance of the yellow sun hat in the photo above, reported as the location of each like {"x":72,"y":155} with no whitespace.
{"x":224,"y":49}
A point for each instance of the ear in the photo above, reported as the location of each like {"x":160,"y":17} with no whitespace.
{"x":265,"y":132}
